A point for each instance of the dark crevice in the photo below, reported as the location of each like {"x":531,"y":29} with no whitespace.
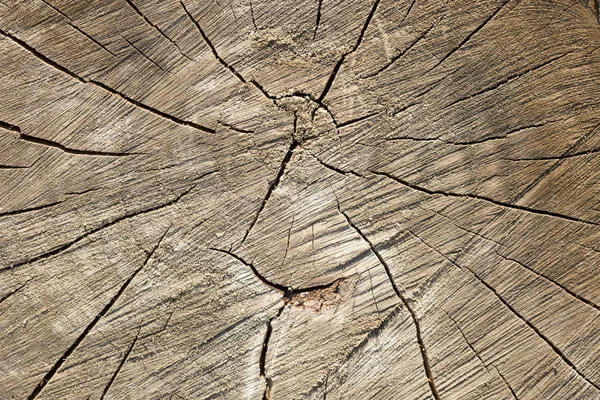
{"x":564,"y":288}
{"x":103,"y":47}
{"x":318,"y":21}
{"x":410,"y":7}
{"x":78,"y":29}
{"x":67,"y":245}
{"x":507,"y":80}
{"x":273,"y":185}
{"x":415,"y":319}
{"x":486,"y":199}
{"x":466,"y":39}
{"x":30,"y":209}
{"x":338,"y":65}
{"x":137,"y":10}
{"x":467,"y":341}
{"x":336,"y":169}
{"x":211,"y":46}
{"x":10,"y":127}
{"x":263,"y":356}
{"x":401,"y":54}
{"x":252,"y":16}
{"x":493,"y":138}
{"x":233,"y":128}
{"x":56,"y":145}
{"x":140,"y":52}
{"x":561,"y":157}
{"x":514,"y":395}
{"x":38,"y":389}
{"x":9,"y":294}
{"x":3,"y":166}
{"x":287,"y":292}
{"x":107,"y":88}
{"x":512,"y":309}
{"x":356,"y":120}
{"x":125,"y":357}
{"x":558,"y":163}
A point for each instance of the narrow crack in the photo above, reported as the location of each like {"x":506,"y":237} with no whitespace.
{"x":59,"y":249}
{"x":357,"y":120}
{"x":107,"y":88}
{"x":9,"y":294}
{"x":263,"y":356}
{"x":467,"y":341}
{"x":139,"y":12}
{"x":211,"y":46}
{"x":70,"y":22}
{"x":56,"y":145}
{"x":318,"y":21}
{"x":415,"y":319}
{"x":30,"y":209}
{"x":403,"y":52}
{"x":338,"y":65}
{"x":273,"y":185}
{"x":140,"y":52}
{"x":486,"y":199}
{"x":514,"y":395}
{"x":252,"y":16}
{"x":466,"y":39}
{"x":508,"y":80}
{"x":125,"y":357}
{"x":556,"y":350}
{"x":50,"y":374}
{"x":549,"y":279}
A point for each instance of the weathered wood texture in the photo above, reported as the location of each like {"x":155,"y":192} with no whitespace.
{"x":299,"y":199}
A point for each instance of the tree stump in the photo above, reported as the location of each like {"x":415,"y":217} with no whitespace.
{"x":299,"y":199}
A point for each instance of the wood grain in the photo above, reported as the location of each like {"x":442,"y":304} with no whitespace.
{"x":299,"y":199}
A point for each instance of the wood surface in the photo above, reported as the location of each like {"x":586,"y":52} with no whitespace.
{"x":299,"y":199}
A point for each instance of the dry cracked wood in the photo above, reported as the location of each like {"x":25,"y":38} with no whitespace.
{"x":299,"y":199}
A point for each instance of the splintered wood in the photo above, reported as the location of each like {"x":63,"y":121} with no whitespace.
{"x":299,"y":199}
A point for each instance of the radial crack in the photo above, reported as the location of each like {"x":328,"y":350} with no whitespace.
{"x":30,"y":209}
{"x":107,"y":88}
{"x":466,"y":39}
{"x":9,"y":294}
{"x":507,"y":80}
{"x":46,"y":379}
{"x":139,"y":12}
{"x":338,"y":65}
{"x":486,"y":199}
{"x":263,"y":356}
{"x":556,"y":350}
{"x":63,"y":247}
{"x":415,"y":319}
{"x":554,"y":282}
{"x":273,"y":185}
{"x":211,"y":46}
{"x":125,"y":357}
{"x":56,"y":145}
{"x":403,"y":52}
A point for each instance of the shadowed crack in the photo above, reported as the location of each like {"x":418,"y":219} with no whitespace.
{"x":59,"y":249}
{"x":70,"y":22}
{"x":125,"y":357}
{"x":486,"y":199}
{"x":466,"y":39}
{"x":338,"y":65}
{"x":139,"y":12}
{"x":9,"y":294}
{"x":211,"y":46}
{"x":422,"y":348}
{"x":46,"y":379}
{"x":30,"y":209}
{"x":556,"y":350}
{"x":107,"y":88}
{"x":273,"y":185}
